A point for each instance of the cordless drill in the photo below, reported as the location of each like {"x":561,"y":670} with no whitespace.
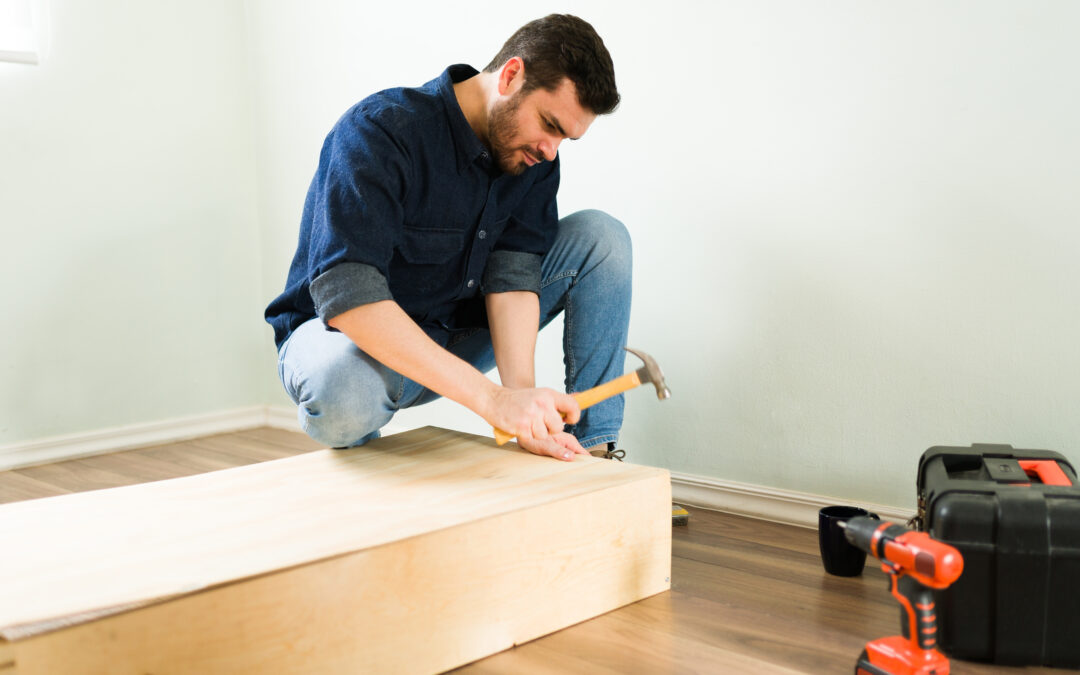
{"x":915,"y":563}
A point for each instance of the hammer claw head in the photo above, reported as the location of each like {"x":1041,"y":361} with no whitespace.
{"x":651,"y":373}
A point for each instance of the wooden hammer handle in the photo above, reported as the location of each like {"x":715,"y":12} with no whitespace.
{"x":589,"y":397}
{"x":604,"y":391}
{"x":502,"y":437}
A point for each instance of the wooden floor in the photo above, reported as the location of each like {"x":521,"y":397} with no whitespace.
{"x":747,"y":596}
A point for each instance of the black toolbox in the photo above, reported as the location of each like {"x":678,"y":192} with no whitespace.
{"x":1014,"y":515}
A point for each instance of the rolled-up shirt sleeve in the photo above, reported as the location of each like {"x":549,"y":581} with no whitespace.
{"x":514,"y":263}
{"x":356,"y":212}
{"x":512,"y":271}
{"x":348,"y":285}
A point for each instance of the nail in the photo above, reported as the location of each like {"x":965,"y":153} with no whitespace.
{"x":567,"y":455}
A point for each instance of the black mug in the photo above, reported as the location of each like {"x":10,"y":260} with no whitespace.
{"x":837,"y":555}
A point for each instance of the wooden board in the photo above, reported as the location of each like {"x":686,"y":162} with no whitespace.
{"x":416,"y":553}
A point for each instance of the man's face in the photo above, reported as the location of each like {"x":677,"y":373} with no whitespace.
{"x":526,"y":129}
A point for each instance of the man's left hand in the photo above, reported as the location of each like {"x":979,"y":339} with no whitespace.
{"x":560,"y":445}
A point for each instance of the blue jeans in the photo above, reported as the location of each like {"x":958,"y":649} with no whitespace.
{"x":344,"y":396}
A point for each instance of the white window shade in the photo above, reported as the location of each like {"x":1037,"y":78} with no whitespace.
{"x":18,"y":32}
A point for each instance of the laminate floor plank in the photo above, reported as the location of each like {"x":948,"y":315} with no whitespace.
{"x":78,"y":475}
{"x":289,"y":440}
{"x":241,"y":448}
{"x":15,"y":487}
{"x":145,"y":465}
{"x":191,"y":456}
{"x":740,"y":531}
{"x":654,"y":635}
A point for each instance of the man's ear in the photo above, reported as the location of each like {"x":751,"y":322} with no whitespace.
{"x":511,"y":76}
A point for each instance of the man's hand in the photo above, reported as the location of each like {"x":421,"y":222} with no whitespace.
{"x":560,"y":445}
{"x":537,"y":417}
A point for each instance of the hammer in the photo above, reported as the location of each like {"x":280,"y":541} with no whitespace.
{"x":650,"y":372}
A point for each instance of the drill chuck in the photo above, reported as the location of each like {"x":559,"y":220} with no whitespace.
{"x":931,"y":562}
{"x":860,"y":533}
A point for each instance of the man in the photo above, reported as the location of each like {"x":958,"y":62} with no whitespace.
{"x":430,"y":251}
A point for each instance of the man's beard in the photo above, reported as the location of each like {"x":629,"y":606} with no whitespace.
{"x":502,"y":127}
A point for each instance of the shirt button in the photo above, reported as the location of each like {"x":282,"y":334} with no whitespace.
{"x":481,"y":234}
{"x":471,"y":283}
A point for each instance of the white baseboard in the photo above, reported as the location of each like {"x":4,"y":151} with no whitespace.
{"x":765,"y":503}
{"x":755,"y":501}
{"x":100,"y":441}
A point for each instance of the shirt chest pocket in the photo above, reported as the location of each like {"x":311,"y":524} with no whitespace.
{"x":430,"y":246}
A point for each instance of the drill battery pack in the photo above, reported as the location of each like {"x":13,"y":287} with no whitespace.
{"x":1014,"y":515}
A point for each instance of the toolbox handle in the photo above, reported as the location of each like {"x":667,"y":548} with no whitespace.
{"x":1046,"y":470}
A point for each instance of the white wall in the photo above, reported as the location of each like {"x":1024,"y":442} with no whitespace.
{"x":855,"y":222}
{"x":129,"y":269}
{"x":863,"y":237}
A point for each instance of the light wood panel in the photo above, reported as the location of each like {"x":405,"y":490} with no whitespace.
{"x":416,"y":553}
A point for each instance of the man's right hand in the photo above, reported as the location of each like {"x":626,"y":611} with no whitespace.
{"x":536,"y":417}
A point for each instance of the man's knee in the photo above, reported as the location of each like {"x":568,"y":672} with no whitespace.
{"x":606,"y":239}
{"x":341,"y":423}
{"x":341,"y":409}
{"x":609,"y":237}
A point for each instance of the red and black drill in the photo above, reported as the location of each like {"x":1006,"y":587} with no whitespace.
{"x":915,"y":563}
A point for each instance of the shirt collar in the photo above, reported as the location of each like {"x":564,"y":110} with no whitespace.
{"x":469,"y":148}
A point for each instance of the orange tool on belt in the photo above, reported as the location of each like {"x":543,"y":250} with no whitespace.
{"x":916,"y":563}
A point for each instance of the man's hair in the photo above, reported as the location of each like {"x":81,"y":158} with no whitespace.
{"x":558,"y":46}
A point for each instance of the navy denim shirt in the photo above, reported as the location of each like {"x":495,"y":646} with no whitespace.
{"x":407,"y":204}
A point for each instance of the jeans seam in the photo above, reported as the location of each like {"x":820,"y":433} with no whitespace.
{"x":281,"y":364}
{"x":568,"y":351}
{"x":290,"y":386}
{"x":558,"y":277}
{"x":281,"y":371}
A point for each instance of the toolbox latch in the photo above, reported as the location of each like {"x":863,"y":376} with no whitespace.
{"x":1025,"y":471}
{"x":1046,"y":470}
